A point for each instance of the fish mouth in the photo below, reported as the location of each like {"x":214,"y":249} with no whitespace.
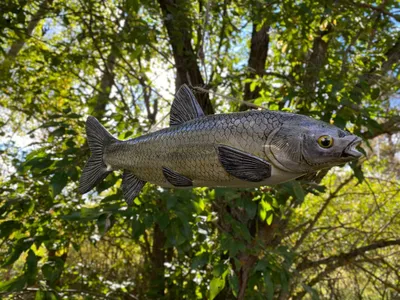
{"x":350,"y":151}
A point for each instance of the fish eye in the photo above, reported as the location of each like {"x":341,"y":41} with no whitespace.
{"x":325,"y":141}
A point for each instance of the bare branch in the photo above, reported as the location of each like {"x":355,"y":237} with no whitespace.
{"x":391,"y":126}
{"x":379,"y":9}
{"x":320,"y":212}
{"x":343,"y":258}
{"x":17,"y":46}
{"x":386,"y":283}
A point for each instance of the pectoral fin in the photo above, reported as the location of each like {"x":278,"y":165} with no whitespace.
{"x":243,"y":165}
{"x":131,"y":186}
{"x":176,"y":179}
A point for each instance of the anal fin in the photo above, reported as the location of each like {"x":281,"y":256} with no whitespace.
{"x":176,"y":179}
{"x":131,"y":186}
{"x":243,"y":165}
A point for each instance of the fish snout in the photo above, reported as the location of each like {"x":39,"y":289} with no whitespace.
{"x":350,"y":151}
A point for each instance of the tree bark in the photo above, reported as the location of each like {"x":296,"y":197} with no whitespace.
{"x":257,"y":60}
{"x":315,"y":62}
{"x":256,"y":65}
{"x":248,"y":262}
{"x":107,"y":80}
{"x":157,"y":282}
{"x":179,"y":31}
{"x":106,"y":83}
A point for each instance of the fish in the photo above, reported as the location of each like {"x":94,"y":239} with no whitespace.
{"x":240,"y":150}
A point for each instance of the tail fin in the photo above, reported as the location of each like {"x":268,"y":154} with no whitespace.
{"x":95,"y":169}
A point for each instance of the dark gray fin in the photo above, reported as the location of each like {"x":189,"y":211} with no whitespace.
{"x":176,"y":179}
{"x":95,"y":169}
{"x":131,"y":186}
{"x":243,"y":165}
{"x":185,"y":107}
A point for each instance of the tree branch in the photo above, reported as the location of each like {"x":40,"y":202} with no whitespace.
{"x":320,"y":212}
{"x":373,"y":75}
{"x":391,"y":126}
{"x":386,"y":283}
{"x":343,"y":258}
{"x":17,"y":46}
{"x":377,"y":9}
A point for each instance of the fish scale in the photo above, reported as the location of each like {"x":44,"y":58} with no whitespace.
{"x":189,"y":148}
{"x":246,"y":149}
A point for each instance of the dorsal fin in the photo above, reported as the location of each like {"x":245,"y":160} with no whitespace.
{"x":185,"y":107}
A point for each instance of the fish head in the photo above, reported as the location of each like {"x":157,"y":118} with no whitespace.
{"x":304,"y":144}
{"x":326,"y":145}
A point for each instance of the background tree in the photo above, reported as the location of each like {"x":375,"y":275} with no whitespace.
{"x":333,"y":235}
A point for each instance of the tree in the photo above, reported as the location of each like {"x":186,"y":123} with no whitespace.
{"x":333,"y":235}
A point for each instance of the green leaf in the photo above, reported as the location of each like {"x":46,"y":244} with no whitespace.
{"x":59,"y":131}
{"x":251,"y":208}
{"x":40,"y":295}
{"x":85,"y":214}
{"x":270,"y":218}
{"x":31,"y":267}
{"x":171,"y":201}
{"x":46,"y":295}
{"x":21,"y":246}
{"x":216,"y":286}
{"x":14,"y":285}
{"x":232,"y":245}
{"x":138,"y":228}
{"x":105,"y":222}
{"x":262,"y":214}
{"x":234,"y":284}
{"x":163,"y":221}
{"x":52,"y":269}
{"x":58,"y":182}
{"x":284,"y":281}
{"x":200,"y":260}
{"x":8,"y":227}
{"x":358,"y":173}
{"x":375,"y":93}
{"x":269,"y":286}
{"x":298,"y":191}
{"x":313,"y":293}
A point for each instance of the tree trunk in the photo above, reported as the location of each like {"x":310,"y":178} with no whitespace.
{"x":315,"y":62}
{"x":257,"y":60}
{"x":157,"y":282}
{"x":248,"y":262}
{"x":179,"y":29}
{"x":256,"y":65}
{"x":106,"y":83}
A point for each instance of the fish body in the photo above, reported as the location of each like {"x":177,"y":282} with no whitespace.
{"x":246,"y":149}
{"x":190,"y":149}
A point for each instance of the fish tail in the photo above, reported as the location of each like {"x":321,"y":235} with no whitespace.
{"x":95,"y":169}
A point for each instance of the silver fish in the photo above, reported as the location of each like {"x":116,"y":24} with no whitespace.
{"x":245,"y":149}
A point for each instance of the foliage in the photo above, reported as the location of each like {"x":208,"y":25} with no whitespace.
{"x":334,"y":235}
